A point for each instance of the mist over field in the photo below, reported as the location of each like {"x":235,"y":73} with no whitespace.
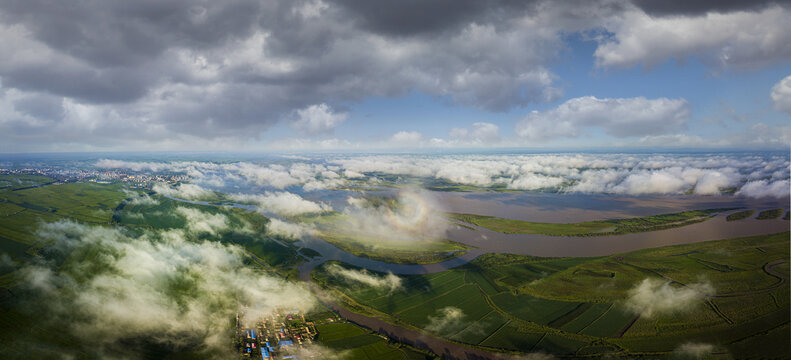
{"x":413,"y":215}
{"x":165,"y":288}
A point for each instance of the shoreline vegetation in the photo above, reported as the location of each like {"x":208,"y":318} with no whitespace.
{"x":770,"y":214}
{"x":740,"y":215}
{"x":412,"y":253}
{"x":589,"y":228}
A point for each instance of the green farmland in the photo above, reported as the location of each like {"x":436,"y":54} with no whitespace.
{"x":577,"y":306}
{"x":493,"y":317}
{"x":356,"y":343}
{"x":246,"y":229}
{"x":588,"y":228}
{"x":15,"y":182}
{"x":34,"y":199}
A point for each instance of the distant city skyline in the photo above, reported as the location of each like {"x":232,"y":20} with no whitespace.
{"x":408,"y":75}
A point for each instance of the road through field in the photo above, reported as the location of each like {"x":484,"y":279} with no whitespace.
{"x":443,"y":348}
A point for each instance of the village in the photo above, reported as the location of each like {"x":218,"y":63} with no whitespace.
{"x":278,"y":336}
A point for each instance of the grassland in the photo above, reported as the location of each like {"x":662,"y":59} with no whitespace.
{"x":15,"y":182}
{"x":35,"y":199}
{"x":24,"y":206}
{"x":575,"y":306}
{"x":588,"y":228}
{"x":493,"y":316}
{"x":356,"y":343}
{"x":740,"y":215}
{"x":769,"y":214}
{"x":246,"y":229}
{"x":396,"y":252}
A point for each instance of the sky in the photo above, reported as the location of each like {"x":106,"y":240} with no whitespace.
{"x":300,"y":75}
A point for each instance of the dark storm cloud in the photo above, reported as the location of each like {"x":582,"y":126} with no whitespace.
{"x":40,"y":106}
{"x":240,"y":107}
{"x":124,"y":33}
{"x":699,"y":7}
{"x":91,"y":85}
{"x":111,"y":52}
{"x":411,"y":17}
{"x":119,"y":50}
{"x":209,"y":69}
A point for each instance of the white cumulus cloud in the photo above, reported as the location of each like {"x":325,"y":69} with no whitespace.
{"x":739,"y":39}
{"x":619,"y":117}
{"x":288,"y":229}
{"x":479,"y":133}
{"x":781,"y":95}
{"x":200,"y":222}
{"x":702,"y":174}
{"x":318,"y":119}
{"x":184,"y":191}
{"x":765,"y":189}
{"x":407,"y":138}
{"x":282,"y":202}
